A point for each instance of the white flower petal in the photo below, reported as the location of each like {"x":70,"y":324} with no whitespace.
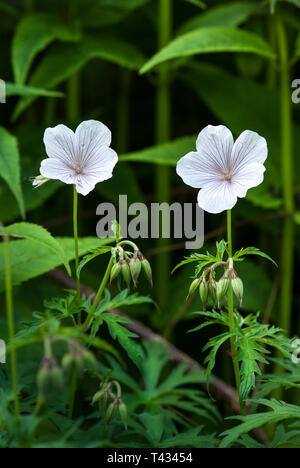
{"x":246,"y":177}
{"x":215,"y":143}
{"x":195,"y":170}
{"x":89,"y":137}
{"x":101,"y":165}
{"x":59,"y":142}
{"x":84,"y":184}
{"x":248,"y":148}
{"x":216,"y":197}
{"x":57,"y":169}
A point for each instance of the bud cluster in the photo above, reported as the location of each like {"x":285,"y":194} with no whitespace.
{"x":207,"y":285}
{"x":111,"y":401}
{"x":49,"y":376}
{"x":77,"y":358}
{"x":129,"y":265}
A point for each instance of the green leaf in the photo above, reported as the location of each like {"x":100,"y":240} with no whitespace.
{"x":252,"y":251}
{"x":166,"y":154}
{"x":210,"y":40}
{"x":90,"y":256}
{"x":281,"y":412}
{"x":13,"y":89}
{"x":63,"y":60}
{"x":125,"y":337}
{"x":197,"y":3}
{"x":40,"y":235}
{"x":33,"y":34}
{"x":10,"y":165}
{"x":30,"y":260}
{"x":229,"y":15}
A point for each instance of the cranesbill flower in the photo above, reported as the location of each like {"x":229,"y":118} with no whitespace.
{"x":83,"y":158}
{"x":224,"y":170}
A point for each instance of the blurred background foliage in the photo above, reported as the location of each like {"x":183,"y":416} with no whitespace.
{"x":225,"y":62}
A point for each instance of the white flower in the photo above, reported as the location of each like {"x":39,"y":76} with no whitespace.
{"x":83,"y":158}
{"x":224,"y":170}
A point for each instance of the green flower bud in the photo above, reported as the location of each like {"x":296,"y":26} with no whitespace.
{"x":43,"y":380}
{"x":194,"y":286}
{"x":68,"y":362}
{"x":203,"y":291}
{"x":57,"y":378}
{"x":147,"y":269}
{"x":111,"y":411}
{"x":222,"y":288}
{"x":115,"y":271}
{"x":123,"y":413}
{"x":135,"y":266}
{"x":125,"y":272}
{"x":238,"y":288}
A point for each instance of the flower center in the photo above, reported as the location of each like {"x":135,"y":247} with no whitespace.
{"x":227,"y":176}
{"x":78,"y":169}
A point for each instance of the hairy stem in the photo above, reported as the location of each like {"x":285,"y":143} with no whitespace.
{"x":100,"y":291}
{"x":11,"y":326}
{"x":163,"y":130}
{"x":287,"y":263}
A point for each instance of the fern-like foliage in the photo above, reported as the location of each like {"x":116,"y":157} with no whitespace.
{"x":252,"y":341}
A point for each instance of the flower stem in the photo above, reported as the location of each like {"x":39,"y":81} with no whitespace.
{"x":104,"y":281}
{"x":230,"y":308}
{"x":75,"y":230}
{"x":163,"y":130}
{"x":287,"y":263}
{"x":11,"y":327}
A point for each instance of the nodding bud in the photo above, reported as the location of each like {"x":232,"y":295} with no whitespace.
{"x":147,"y":269}
{"x":212,"y":285}
{"x":193,"y":287}
{"x":67,"y":362}
{"x":111,"y":411}
{"x":222,"y":288}
{"x":135,"y":266}
{"x":88,"y":358}
{"x":238,"y":288}
{"x":123,"y":413}
{"x":49,"y":375}
{"x":115,"y":271}
{"x":125,"y":272}
{"x":203,"y":291}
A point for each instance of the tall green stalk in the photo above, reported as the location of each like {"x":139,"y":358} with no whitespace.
{"x":75,"y":230}
{"x":287,"y":254}
{"x":100,"y":291}
{"x":231,"y":309}
{"x":163,"y":133}
{"x":11,"y":326}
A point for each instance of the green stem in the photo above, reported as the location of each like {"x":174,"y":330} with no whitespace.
{"x":75,"y":230}
{"x":231,"y":309}
{"x":11,"y":327}
{"x":163,"y":132}
{"x":105,"y":279}
{"x":287,"y":260}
